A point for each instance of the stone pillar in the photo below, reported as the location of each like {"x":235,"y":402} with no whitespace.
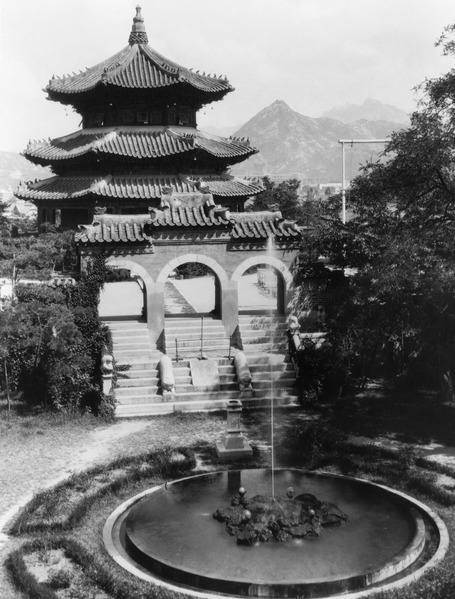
{"x":155,"y":313}
{"x":233,"y":445}
{"x":230,"y":306}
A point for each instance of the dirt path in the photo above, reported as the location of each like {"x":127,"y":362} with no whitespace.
{"x":46,"y":457}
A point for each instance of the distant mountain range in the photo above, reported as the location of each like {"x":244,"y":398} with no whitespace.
{"x":15,"y":168}
{"x":370,"y":110}
{"x":289,"y":143}
{"x":294,"y":144}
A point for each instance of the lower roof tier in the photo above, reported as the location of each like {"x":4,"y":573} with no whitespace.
{"x":144,"y":187}
{"x":139,"y":144}
{"x":107,"y":229}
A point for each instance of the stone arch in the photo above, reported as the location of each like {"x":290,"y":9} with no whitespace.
{"x":222,"y":303}
{"x":263,"y":259}
{"x":201,"y":258}
{"x":132,"y":266}
{"x":284,"y":281}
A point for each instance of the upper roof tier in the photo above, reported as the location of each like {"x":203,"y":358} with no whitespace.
{"x":137,"y":67}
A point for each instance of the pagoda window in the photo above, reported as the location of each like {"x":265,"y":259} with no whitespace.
{"x":134,"y":210}
{"x":156,"y":117}
{"x":184,"y":118}
{"x":44,"y":215}
{"x":72,"y":217}
{"x":142,"y":118}
{"x":110,"y":118}
{"x":95,"y":119}
{"x":172,"y":116}
{"x":127,"y":117}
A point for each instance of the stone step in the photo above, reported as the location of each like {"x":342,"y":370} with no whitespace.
{"x":264,"y":369}
{"x":264,"y":347}
{"x":226,"y":369}
{"x":133,"y":345}
{"x":195,"y":344}
{"x":160,"y":408}
{"x":137,"y":382}
{"x":131,"y":338}
{"x":189,"y":389}
{"x":172,"y":332}
{"x":122,"y":326}
{"x":139,"y":399}
{"x":122,"y":392}
{"x":136,"y":364}
{"x":273,"y":385}
{"x":262,"y":332}
{"x":139,"y":373}
{"x":274,"y":375}
{"x":182,"y":380}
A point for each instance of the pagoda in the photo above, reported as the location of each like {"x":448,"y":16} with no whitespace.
{"x":139,"y":144}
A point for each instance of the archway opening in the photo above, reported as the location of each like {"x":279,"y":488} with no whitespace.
{"x":262,"y":289}
{"x":192,"y":289}
{"x":123,"y":296}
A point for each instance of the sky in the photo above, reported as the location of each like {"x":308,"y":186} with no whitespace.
{"x":313,"y":54}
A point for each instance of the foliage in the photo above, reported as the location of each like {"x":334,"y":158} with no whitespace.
{"x":64,"y":506}
{"x":53,"y":341}
{"x":398,"y":317}
{"x":192,"y":269}
{"x":35,"y":256}
{"x":281,"y":197}
{"x":322,"y":374}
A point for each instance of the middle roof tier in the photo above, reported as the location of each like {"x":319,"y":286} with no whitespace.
{"x":144,"y":147}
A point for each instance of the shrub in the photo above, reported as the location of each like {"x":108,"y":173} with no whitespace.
{"x":59,"y":578}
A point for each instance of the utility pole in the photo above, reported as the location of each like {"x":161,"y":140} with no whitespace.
{"x":343,"y":168}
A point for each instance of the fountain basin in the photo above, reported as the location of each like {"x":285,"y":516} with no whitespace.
{"x":168,"y":533}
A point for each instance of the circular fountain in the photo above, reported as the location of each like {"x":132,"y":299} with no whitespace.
{"x":169,"y":534}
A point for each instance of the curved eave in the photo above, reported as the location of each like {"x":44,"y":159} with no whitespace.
{"x":130,"y":229}
{"x":137,"y":143}
{"x":133,"y":187}
{"x":135,"y":67}
{"x":130,"y":232}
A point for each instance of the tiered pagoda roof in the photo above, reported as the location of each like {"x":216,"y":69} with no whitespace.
{"x":139,"y":135}
{"x":137,"y":66}
{"x":136,"y":142}
{"x":133,"y":187}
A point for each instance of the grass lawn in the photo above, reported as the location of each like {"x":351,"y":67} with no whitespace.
{"x":57,"y":539}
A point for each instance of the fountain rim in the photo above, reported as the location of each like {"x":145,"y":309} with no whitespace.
{"x":122,"y":509}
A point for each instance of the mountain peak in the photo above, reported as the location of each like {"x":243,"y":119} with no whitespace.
{"x":279,"y":103}
{"x":370,"y":110}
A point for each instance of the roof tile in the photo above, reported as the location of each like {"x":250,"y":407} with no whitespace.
{"x":133,"y":187}
{"x":136,"y":66}
{"x":137,"y":142}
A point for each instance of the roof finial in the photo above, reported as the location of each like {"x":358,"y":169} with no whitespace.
{"x":138,"y":34}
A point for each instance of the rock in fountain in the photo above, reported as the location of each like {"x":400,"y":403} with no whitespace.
{"x":281,"y":518}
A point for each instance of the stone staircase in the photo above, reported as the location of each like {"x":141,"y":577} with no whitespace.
{"x":263,"y":333}
{"x":138,"y":390}
{"x":187,"y":331}
{"x":137,"y":361}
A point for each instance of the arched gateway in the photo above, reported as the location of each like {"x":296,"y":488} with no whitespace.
{"x":153,"y":246}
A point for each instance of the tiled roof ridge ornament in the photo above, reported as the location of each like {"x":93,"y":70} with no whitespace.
{"x":138,"y":34}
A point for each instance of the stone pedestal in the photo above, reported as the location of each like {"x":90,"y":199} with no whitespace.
{"x":233,"y":445}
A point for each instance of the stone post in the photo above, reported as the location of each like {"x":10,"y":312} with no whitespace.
{"x":233,"y":445}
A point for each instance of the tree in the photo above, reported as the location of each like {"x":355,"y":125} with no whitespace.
{"x":281,"y":197}
{"x":400,"y":312}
